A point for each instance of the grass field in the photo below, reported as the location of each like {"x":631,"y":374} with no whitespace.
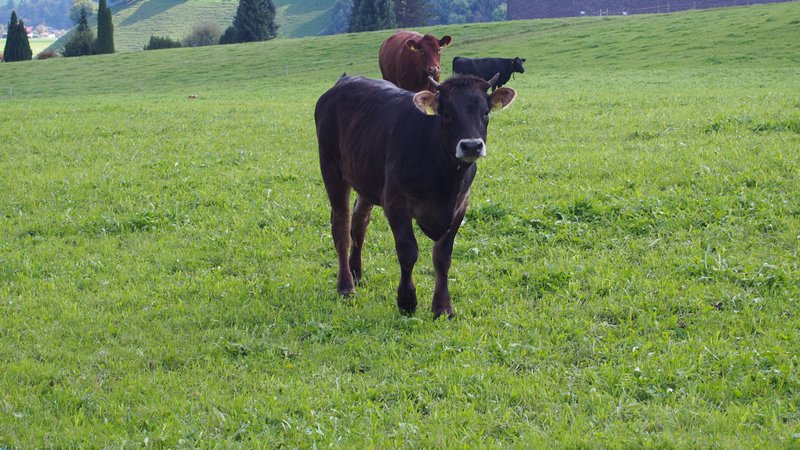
{"x":627,"y":276}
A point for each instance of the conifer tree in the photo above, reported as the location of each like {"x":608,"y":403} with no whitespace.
{"x":254,"y":21}
{"x":10,"y":50}
{"x":82,"y":42}
{"x":17,"y":47}
{"x":23,"y":44}
{"x":340,"y":17}
{"x":369,"y":15}
{"x":105,"y":29}
{"x":412,"y":13}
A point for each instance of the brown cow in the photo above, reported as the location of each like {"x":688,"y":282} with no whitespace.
{"x":408,"y":58}
{"x":412,"y":154}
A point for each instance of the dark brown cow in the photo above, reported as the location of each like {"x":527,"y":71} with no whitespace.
{"x":412,"y":154}
{"x":408,"y":58}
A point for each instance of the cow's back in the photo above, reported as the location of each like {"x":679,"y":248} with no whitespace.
{"x":462,"y":66}
{"x":401,"y":65}
{"x":480,"y":67}
{"x":355,"y":123}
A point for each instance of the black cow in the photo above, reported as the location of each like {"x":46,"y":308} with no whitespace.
{"x":412,"y":154}
{"x":486,"y":68}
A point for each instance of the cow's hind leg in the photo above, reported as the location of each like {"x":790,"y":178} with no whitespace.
{"x":339,"y":196}
{"x":358,"y":229}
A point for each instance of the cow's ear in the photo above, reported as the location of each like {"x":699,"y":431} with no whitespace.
{"x":412,"y":45}
{"x":501,"y":98}
{"x":445,"y":41}
{"x":426,"y":102}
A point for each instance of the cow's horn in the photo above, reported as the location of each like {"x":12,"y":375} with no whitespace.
{"x":493,"y":80}
{"x":435,"y":83}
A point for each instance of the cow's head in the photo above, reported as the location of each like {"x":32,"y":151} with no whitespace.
{"x":462,"y":107}
{"x":428,"y":48}
{"x":516,"y":65}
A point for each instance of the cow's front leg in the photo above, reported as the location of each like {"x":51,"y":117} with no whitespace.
{"x":407,"y":252}
{"x":442,"y":256}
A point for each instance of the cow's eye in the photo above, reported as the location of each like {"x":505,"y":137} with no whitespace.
{"x":446,"y":115}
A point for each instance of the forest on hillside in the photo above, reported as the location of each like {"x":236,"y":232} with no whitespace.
{"x":410,"y":13}
{"x":56,"y":13}
{"x":52,"y":13}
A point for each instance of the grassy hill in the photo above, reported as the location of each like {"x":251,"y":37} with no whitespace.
{"x":136,"y":21}
{"x":736,"y":37}
{"x":626,"y":276}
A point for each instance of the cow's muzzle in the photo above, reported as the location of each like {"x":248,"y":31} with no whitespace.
{"x":469,"y":150}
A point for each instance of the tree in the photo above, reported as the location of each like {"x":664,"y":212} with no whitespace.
{"x":489,"y":10}
{"x":105,"y":30}
{"x":254,"y":21}
{"x":86,"y":6}
{"x":53,"y":13}
{"x":412,"y":13}
{"x":468,"y":11}
{"x":205,"y":33}
{"x":82,"y":42}
{"x":157,"y":43}
{"x":23,"y":45}
{"x":17,"y":48}
{"x":369,"y":15}
{"x":10,"y":50}
{"x":340,"y":17}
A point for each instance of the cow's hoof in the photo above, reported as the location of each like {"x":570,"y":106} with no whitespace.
{"x":408,"y":312}
{"x":347,"y":292}
{"x":448,"y":314}
{"x":407,"y":308}
{"x":355,"y":271}
{"x":407,"y":299}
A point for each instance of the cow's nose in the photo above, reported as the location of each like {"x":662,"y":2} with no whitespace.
{"x":470,"y":149}
{"x":434,"y":71}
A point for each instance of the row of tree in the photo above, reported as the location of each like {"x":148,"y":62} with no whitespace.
{"x":83,"y":41}
{"x":368,"y":15}
{"x":254,"y":21}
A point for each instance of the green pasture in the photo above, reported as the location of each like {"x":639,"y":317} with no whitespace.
{"x":626,"y":277}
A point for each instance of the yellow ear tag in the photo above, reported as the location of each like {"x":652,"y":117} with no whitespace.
{"x":429,"y":111}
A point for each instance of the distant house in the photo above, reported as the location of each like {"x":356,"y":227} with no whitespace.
{"x":540,"y":9}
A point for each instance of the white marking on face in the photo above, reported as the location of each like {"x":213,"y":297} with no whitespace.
{"x":469,"y":150}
